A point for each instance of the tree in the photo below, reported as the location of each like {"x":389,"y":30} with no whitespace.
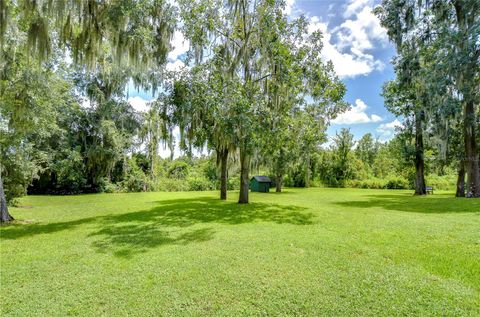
{"x":155,"y":130}
{"x":4,"y":214}
{"x":367,"y":149}
{"x":343,"y":144}
{"x":304,"y":94}
{"x":136,"y":32}
{"x":451,"y":28}
{"x":235,"y":32}
{"x":202,"y":100}
{"x":25,"y":88}
{"x":403,"y":100}
{"x":133,"y":32}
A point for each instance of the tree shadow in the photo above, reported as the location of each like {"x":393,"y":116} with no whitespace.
{"x":433,"y":204}
{"x":127,"y":240}
{"x":168,"y":223}
{"x":176,"y":221}
{"x":185,"y":212}
{"x":19,"y":229}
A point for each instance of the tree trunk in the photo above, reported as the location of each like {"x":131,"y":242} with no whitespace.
{"x":278,"y":183}
{"x":244,"y":175}
{"x":223,"y":173}
{"x":420,"y":188}
{"x":461,"y":180}
{"x":4,"y":215}
{"x":471,"y":152}
{"x":466,"y":82}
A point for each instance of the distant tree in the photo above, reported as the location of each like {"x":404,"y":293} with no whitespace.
{"x":367,"y":149}
{"x":342,"y":147}
{"x":155,"y":130}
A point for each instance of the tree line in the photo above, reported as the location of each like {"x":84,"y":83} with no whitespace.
{"x":255,"y":93}
{"x":437,"y":84}
{"x":250,"y":72}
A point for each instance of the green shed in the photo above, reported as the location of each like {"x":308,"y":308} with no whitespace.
{"x":260,"y":184}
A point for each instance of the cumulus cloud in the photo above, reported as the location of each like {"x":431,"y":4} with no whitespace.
{"x":376,"y":118}
{"x":387,"y":130}
{"x":354,"y":6}
{"x":138,"y":103}
{"x":348,"y":62}
{"x":357,"y":114}
{"x":362,"y":31}
{"x":349,"y":44}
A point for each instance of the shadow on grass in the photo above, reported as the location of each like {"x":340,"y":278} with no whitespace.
{"x":167,"y":223}
{"x":440,"y":203}
{"x":19,"y":229}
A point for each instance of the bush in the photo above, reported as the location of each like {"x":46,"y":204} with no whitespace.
{"x":109,"y":188}
{"x":445,"y":182}
{"x":200,"y":184}
{"x":171,"y":185}
{"x":135,"y":180}
{"x":396,"y":182}
{"x":233,"y":182}
{"x":371,"y":183}
{"x":390,"y":182}
{"x":178,"y":170}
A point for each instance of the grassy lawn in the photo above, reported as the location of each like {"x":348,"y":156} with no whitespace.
{"x":303,"y":252}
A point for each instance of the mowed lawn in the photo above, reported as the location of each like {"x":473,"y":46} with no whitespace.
{"x":304,"y":252}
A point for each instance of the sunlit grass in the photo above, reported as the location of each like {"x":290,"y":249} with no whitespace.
{"x":302,"y":252}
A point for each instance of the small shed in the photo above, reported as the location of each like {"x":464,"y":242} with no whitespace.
{"x":260,"y":184}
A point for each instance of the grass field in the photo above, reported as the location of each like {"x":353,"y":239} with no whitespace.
{"x":305,"y":252}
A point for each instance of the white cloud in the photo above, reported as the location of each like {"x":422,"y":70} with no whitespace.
{"x":180,"y":45}
{"x":356,"y":115}
{"x":362,"y":32}
{"x":138,"y":103}
{"x":356,"y":5}
{"x":376,"y":118}
{"x":349,"y":45}
{"x":387,"y":130}
{"x":347,"y":64}
{"x":289,"y":4}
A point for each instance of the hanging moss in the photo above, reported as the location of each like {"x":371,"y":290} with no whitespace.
{"x":137,"y":32}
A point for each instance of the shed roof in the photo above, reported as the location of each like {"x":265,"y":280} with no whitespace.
{"x":262,"y":179}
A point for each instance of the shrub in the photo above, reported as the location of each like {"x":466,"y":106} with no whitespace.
{"x":109,"y":188}
{"x":445,"y":182}
{"x":390,"y":182}
{"x":200,"y":184}
{"x":233,"y":182}
{"x":396,"y":182}
{"x":135,"y":180}
{"x":178,"y":170}
{"x":171,"y":185}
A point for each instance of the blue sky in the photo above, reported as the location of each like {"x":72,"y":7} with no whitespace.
{"x":361,"y":53}
{"x":359,"y":49}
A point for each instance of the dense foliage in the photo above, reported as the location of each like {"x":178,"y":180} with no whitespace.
{"x":436,"y":87}
{"x":255,"y":95}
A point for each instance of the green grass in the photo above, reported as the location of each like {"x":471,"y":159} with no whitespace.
{"x":309,"y":252}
